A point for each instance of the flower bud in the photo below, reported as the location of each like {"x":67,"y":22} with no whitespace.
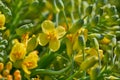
{"x":9,"y":77}
{"x":60,"y":4}
{"x":1,"y":66}
{"x":94,"y":73}
{"x":81,"y":41}
{"x":32,"y":43}
{"x":95,"y":43}
{"x":17,"y":75}
{"x":2,"y":21}
{"x":6,"y":72}
{"x":89,"y":10}
{"x":96,"y":35}
{"x":114,"y":18}
{"x":76,"y":26}
{"x":1,"y":76}
{"x":9,"y":65}
{"x":88,"y":63}
{"x":95,"y":20}
{"x":99,"y":11}
{"x":112,"y":10}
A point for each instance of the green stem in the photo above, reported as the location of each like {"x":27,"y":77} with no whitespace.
{"x":72,"y":17}
{"x":65,"y":19}
{"x":16,"y":17}
{"x":79,"y":13}
{"x":57,"y":17}
{"x":72,"y":60}
{"x":71,"y":77}
{"x":99,"y":58}
{"x":83,"y":52}
{"x":50,"y":72}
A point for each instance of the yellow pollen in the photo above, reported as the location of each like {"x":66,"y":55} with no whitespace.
{"x":29,"y":64}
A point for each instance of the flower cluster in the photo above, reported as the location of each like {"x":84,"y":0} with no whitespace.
{"x":59,"y":40}
{"x":21,"y":60}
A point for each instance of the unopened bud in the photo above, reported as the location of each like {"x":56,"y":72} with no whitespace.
{"x":1,"y":66}
{"x":112,"y":10}
{"x":89,"y":10}
{"x":95,"y":20}
{"x":17,"y":75}
{"x":60,"y":4}
{"x":76,"y":26}
{"x":9,"y":77}
{"x":95,"y":43}
{"x":6,"y":72}
{"x":9,"y":65}
{"x":81,"y":41}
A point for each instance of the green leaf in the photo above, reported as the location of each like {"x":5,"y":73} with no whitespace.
{"x":24,"y":29}
{"x":5,"y":9}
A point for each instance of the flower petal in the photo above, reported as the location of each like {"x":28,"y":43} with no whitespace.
{"x":43,"y":40}
{"x":60,"y":31}
{"x":54,"y":45}
{"x":26,"y":69}
{"x":47,"y":26}
{"x":18,"y":52}
{"x":2,"y":20}
{"x":30,"y":62}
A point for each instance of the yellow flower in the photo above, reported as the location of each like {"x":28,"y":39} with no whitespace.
{"x":2,"y":21}
{"x":30,"y":62}
{"x":51,"y":35}
{"x":105,"y":40}
{"x":94,"y":52}
{"x":18,"y":52}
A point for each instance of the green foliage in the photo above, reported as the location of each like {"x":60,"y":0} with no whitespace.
{"x":88,"y":39}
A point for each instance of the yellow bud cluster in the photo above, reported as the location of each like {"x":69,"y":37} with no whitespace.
{"x":2,"y":21}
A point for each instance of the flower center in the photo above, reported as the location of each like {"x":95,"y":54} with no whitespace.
{"x":51,"y":35}
{"x":17,"y":55}
{"x":29,"y":64}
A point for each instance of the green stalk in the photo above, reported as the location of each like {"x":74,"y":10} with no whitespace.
{"x":71,"y":77}
{"x":50,"y":72}
{"x":72,"y":16}
{"x":99,"y":61}
{"x":16,"y":17}
{"x":65,"y":19}
{"x":57,"y":17}
{"x":79,"y":12}
{"x":83,"y":51}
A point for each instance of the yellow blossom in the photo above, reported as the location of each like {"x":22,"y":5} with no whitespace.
{"x":2,"y":21}
{"x":93,"y":52}
{"x":51,"y":35}
{"x":30,"y":62}
{"x":18,"y":52}
{"x":105,"y":40}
